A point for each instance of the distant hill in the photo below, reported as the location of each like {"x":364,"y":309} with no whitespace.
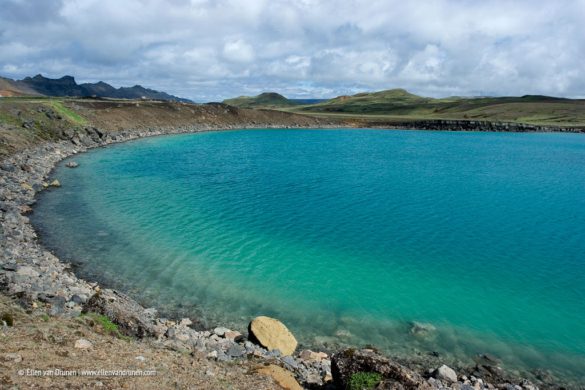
{"x":268,"y":100}
{"x":371,"y":102}
{"x":536,"y":109}
{"x":401,"y":104}
{"x":66,"y":86}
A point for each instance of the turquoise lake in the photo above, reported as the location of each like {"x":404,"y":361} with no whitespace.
{"x":347,"y":236}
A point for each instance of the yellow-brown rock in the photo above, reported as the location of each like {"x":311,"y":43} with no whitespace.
{"x":273,"y":334}
{"x":282,"y":377}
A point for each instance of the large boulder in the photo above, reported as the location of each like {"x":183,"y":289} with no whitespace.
{"x":446,"y":374}
{"x":285,"y":379}
{"x":272,"y":334}
{"x":131,"y":317}
{"x":394,"y":376}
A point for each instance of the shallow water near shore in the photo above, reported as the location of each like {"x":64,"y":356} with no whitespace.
{"x":345,"y":235}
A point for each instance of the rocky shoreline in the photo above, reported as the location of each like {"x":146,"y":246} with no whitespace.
{"x":37,"y":278}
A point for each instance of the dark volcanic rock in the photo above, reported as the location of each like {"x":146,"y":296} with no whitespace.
{"x":132,"y":318}
{"x":394,"y":376}
{"x":67,"y":86}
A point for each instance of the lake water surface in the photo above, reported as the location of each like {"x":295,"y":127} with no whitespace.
{"x":345,"y":235}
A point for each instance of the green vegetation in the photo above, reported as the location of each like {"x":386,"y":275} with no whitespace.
{"x":364,"y":380}
{"x":66,"y":113}
{"x":400,"y":105}
{"x":45,"y":317}
{"x":26,"y":121}
{"x":105,"y":324}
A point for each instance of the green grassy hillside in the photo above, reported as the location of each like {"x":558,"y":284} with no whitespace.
{"x":398,"y":103}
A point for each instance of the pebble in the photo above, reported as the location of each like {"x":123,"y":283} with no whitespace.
{"x":221,"y":331}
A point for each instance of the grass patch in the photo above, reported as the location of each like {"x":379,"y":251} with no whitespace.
{"x":364,"y":380}
{"x":66,"y":113}
{"x":9,"y":119}
{"x":105,"y":324}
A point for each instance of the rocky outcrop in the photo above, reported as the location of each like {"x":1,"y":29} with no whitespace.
{"x":394,"y":376}
{"x":133,"y":319}
{"x":470,"y":125}
{"x":272,"y":334}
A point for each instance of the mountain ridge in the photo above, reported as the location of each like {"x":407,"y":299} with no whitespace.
{"x":66,"y":86}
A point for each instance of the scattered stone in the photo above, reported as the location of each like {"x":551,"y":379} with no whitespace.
{"x":309,"y":355}
{"x":342,"y":333}
{"x":140,"y":358}
{"x":83,"y":344}
{"x":212,"y":355}
{"x":221,"y":331}
{"x":25,"y":209}
{"x":290,"y":362}
{"x":422,"y":329}
{"x":282,"y":377}
{"x":78,"y":299}
{"x":445,"y":373}
{"x":485,"y":359}
{"x":26,"y":186}
{"x":185,"y":322}
{"x":12,"y":357}
{"x":72,"y":164}
{"x":272,"y":334}
{"x":55,"y":183}
{"x":233,"y":335}
{"x":236,"y":350}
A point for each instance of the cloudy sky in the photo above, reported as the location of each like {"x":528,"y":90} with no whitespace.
{"x":210,"y":50}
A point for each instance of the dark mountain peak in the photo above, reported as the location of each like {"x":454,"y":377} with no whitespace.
{"x":66,"y":86}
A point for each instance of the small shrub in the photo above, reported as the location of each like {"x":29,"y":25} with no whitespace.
{"x":364,"y":380}
{"x":45,"y":317}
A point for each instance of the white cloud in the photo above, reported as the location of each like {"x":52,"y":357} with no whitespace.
{"x":238,"y":51}
{"x":212,"y":49}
